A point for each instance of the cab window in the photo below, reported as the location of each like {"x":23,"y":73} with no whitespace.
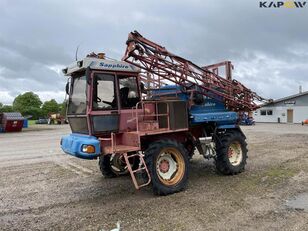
{"x":78,"y":98}
{"x":129,"y":94}
{"x":104,"y":97}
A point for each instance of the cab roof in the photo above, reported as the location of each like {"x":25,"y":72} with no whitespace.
{"x":99,"y":64}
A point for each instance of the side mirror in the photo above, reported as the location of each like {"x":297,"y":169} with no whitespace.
{"x":67,"y":88}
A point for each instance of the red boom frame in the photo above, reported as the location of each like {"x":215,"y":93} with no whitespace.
{"x":161,"y":65}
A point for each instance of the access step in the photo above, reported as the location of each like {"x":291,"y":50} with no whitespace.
{"x":120,"y":149}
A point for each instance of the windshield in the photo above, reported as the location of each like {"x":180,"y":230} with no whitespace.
{"x":77,"y":102}
{"x":104,"y":97}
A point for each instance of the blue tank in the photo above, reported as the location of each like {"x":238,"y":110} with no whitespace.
{"x":206,"y":110}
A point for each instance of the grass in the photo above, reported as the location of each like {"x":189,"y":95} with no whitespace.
{"x":31,"y":122}
{"x":267,"y":179}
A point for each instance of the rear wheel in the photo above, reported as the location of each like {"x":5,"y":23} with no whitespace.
{"x":168,"y":164}
{"x":190,"y":147}
{"x":231,"y":153}
{"x":114,"y":165}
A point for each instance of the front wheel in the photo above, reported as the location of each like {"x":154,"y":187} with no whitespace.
{"x":114,"y":165}
{"x":231,"y":153}
{"x":168,"y":165}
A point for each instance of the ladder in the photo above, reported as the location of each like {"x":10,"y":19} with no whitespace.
{"x":142,"y":167}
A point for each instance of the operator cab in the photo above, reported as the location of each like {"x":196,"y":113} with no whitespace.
{"x":102,"y":94}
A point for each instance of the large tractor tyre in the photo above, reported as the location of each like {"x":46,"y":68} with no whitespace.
{"x":168,"y":165}
{"x":190,"y":147}
{"x":231,"y":153}
{"x":114,"y":165}
{"x":105,"y":166}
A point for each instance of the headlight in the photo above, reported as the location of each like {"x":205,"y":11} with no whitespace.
{"x":88,"y":148}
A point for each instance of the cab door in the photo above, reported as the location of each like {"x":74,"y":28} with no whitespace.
{"x":129,"y":96}
{"x":104,"y":110}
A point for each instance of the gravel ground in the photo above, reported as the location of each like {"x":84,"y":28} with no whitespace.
{"x":43,"y":189}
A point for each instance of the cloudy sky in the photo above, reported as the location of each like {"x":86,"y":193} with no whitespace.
{"x":268,"y":47}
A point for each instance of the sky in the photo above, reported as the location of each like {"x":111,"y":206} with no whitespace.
{"x":268,"y":47}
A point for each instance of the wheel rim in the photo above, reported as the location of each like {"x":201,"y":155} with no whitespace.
{"x":117,"y":164}
{"x":170,"y":166}
{"x":235,"y":153}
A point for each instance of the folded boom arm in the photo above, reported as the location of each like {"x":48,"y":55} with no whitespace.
{"x":162,"y":66}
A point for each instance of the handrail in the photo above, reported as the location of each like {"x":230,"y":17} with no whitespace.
{"x":113,"y":141}
{"x":156,"y":114}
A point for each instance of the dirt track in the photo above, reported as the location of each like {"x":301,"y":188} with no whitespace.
{"x":42,"y":188}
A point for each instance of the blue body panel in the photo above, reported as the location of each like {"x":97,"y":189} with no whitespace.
{"x":213,"y":110}
{"x":171,"y":91}
{"x":227,"y":126}
{"x":220,"y":118}
{"x":72,"y":145}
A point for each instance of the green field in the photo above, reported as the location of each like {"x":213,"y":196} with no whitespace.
{"x":31,"y":122}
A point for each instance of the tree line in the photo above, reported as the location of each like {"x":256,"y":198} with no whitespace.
{"x":30,"y":105}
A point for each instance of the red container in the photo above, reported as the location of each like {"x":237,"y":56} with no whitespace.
{"x":12,"y":121}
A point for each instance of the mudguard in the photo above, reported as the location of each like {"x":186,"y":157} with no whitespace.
{"x":72,"y":145}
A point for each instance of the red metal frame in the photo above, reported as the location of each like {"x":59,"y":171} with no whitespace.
{"x":163,"y":65}
{"x":120,"y":142}
{"x":215,"y":68}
